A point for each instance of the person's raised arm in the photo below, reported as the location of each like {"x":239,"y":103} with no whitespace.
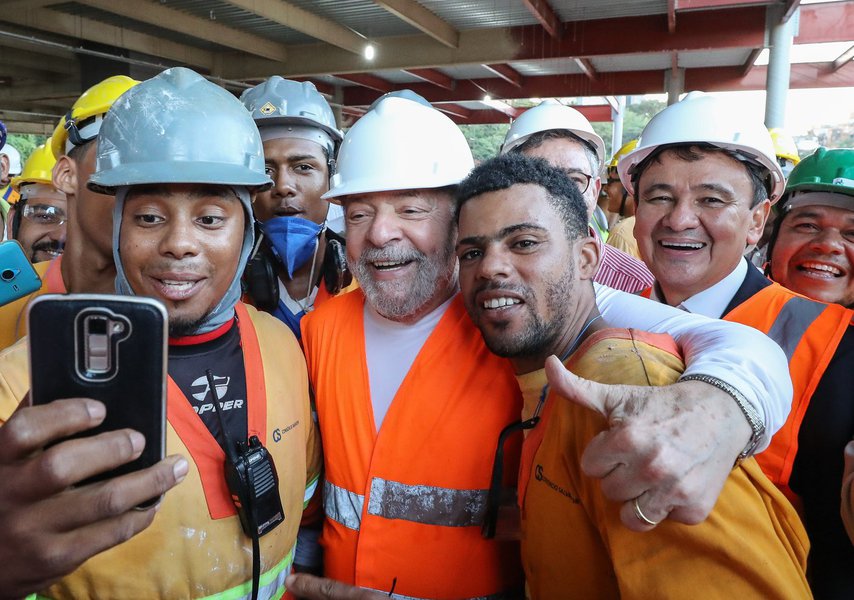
{"x":678,"y":443}
{"x":48,"y":527}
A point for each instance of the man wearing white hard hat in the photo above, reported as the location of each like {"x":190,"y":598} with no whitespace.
{"x":403,"y":379}
{"x":704,"y":180}
{"x":10,"y":166}
{"x":565,"y":138}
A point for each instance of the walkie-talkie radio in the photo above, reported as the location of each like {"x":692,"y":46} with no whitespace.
{"x":254,"y":486}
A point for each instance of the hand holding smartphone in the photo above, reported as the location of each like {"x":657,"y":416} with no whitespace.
{"x":108,"y":348}
{"x":18,"y":278}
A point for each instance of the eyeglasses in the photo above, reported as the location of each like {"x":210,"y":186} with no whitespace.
{"x":581,"y":180}
{"x":44,"y":214}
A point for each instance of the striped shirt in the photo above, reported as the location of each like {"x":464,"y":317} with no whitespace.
{"x":621,"y":271}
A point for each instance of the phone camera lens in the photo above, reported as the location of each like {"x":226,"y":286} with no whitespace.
{"x":7,"y":274}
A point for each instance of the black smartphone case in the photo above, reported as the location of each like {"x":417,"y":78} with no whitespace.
{"x":109,"y":348}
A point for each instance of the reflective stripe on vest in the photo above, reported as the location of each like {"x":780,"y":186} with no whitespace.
{"x":271,"y":585}
{"x":426,"y":504}
{"x":343,"y":506}
{"x":792,"y":323}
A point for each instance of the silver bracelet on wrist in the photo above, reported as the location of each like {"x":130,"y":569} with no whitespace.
{"x":757,"y":425}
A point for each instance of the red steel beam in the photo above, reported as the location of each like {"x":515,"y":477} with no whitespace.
{"x":802,"y":76}
{"x":507,"y":73}
{"x":683,"y":5}
{"x":671,"y":16}
{"x":546,"y":15}
{"x":433,"y":76}
{"x":586,"y":67}
{"x":454,"y":110}
{"x":833,"y":22}
{"x":369,"y":81}
{"x":811,"y":75}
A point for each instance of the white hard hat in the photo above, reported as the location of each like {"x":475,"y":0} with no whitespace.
{"x":14,"y":159}
{"x":548,"y":115}
{"x":400,"y":145}
{"x":702,"y":119}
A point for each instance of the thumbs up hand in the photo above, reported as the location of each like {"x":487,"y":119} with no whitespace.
{"x":668,"y":449}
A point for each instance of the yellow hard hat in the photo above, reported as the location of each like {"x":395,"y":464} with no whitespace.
{"x":92,"y":105}
{"x":627,"y":147}
{"x":37,"y":169}
{"x":784,"y":145}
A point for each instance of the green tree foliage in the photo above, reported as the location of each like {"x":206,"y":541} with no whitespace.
{"x":485,"y":140}
{"x":25,"y":143}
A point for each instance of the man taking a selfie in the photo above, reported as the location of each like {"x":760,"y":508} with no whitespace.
{"x":182,"y":234}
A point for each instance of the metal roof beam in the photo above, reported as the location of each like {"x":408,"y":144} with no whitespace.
{"x":586,"y":67}
{"x":296,"y":18}
{"x":455,"y":110}
{"x":82,"y":28}
{"x":421,"y":18}
{"x":671,"y":16}
{"x":790,"y":8}
{"x":546,"y":15}
{"x":21,"y":127}
{"x":155,"y":13}
{"x":843,"y":59}
{"x":433,"y":76}
{"x":41,"y":91}
{"x":28,"y":59}
{"x":366,"y":80}
{"x":730,"y":28}
{"x":507,"y":73}
{"x":751,"y":61}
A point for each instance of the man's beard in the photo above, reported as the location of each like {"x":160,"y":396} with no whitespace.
{"x":538,"y":336}
{"x":184,"y":327}
{"x":401,"y":298}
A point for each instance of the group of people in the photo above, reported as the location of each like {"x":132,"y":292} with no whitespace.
{"x":467,"y":394}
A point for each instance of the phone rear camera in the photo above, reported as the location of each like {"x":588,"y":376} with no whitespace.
{"x":7,"y":274}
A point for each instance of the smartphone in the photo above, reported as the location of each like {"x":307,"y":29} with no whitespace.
{"x":109,"y":348}
{"x":18,"y":278}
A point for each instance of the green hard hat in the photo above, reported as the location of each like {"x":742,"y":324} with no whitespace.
{"x":178,"y":127}
{"x":824,"y":170}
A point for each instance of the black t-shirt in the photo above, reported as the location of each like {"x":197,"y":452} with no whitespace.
{"x":817,"y":475}
{"x":221,"y":352}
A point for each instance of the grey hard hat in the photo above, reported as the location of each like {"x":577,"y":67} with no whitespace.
{"x":283,"y":102}
{"x":178,"y":127}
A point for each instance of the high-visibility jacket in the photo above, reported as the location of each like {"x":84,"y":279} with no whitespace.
{"x":809,"y":333}
{"x":195,"y":548}
{"x":13,"y":316}
{"x":406,"y":503}
{"x":574,"y":544}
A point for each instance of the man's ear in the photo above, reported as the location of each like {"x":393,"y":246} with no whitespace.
{"x":65,"y":175}
{"x":758,"y":216}
{"x":4,"y":167}
{"x":10,"y":218}
{"x":588,"y":257}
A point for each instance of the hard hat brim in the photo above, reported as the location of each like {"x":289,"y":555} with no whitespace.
{"x":155,"y":173}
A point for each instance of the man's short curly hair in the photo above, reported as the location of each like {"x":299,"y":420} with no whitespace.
{"x":507,"y":170}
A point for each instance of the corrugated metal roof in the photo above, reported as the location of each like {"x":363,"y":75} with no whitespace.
{"x":549,"y":66}
{"x":397,"y":76}
{"x":366,"y":18}
{"x":583,"y":10}
{"x":713,"y":58}
{"x":471,"y":71}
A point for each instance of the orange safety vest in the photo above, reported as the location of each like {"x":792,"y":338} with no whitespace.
{"x":195,"y":547}
{"x":404,"y":505}
{"x":809,"y":333}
